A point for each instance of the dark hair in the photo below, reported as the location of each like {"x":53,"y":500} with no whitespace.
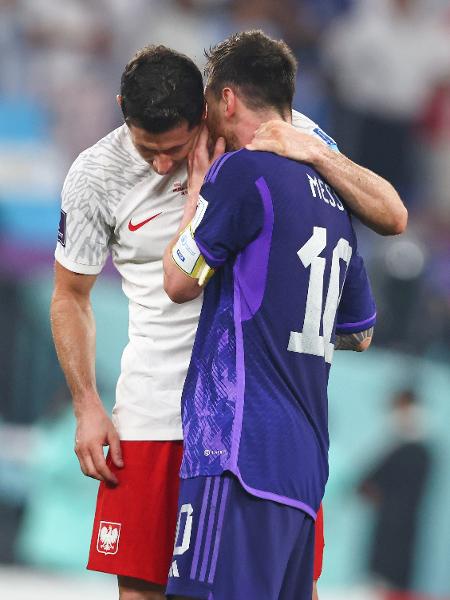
{"x":264,"y":70}
{"x":160,"y":89}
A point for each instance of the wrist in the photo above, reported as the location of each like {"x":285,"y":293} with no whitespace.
{"x":321,"y":157}
{"x":87,"y":402}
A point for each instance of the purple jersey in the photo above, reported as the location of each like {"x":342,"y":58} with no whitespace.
{"x":289,"y":277}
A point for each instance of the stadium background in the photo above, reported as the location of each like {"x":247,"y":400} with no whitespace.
{"x":373,"y":73}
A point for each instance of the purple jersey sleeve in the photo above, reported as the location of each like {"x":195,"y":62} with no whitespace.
{"x":234,"y":214}
{"x":356,"y":311}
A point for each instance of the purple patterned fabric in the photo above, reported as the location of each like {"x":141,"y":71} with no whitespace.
{"x":255,"y":398}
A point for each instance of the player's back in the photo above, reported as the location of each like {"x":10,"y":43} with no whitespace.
{"x":268,"y":324}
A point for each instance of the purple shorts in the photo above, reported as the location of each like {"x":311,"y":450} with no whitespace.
{"x":231,"y":545}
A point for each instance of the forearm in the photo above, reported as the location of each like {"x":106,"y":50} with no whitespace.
{"x":178,"y":285}
{"x":358,"y":342}
{"x":73,"y":329}
{"x":370,"y":197}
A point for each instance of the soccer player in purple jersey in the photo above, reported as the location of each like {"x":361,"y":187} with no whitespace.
{"x":288,"y":287}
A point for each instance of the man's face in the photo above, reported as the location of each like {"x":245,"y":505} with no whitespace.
{"x":164,"y":152}
{"x":218,"y":125}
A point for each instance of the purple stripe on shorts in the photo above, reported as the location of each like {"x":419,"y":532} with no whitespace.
{"x":358,"y":324}
{"x":212,"y":514}
{"x":276,"y":497}
{"x":223,"y":502}
{"x":201,"y":525}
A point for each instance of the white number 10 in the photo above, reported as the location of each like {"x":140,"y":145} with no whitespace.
{"x":309,"y":341}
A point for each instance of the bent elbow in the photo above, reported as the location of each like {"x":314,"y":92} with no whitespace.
{"x":180,"y":294}
{"x":401,"y":221}
{"x":364,"y":345}
{"x":397,"y":221}
{"x":174,"y":293}
{"x":179,"y":297}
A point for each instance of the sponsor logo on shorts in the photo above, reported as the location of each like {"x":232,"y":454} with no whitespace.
{"x":108,"y":537}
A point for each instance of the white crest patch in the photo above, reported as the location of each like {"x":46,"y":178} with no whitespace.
{"x":108,"y":537}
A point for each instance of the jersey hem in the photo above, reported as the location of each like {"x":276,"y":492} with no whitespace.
{"x":265,"y":495}
{"x":163,"y":435}
{"x":76,"y":267}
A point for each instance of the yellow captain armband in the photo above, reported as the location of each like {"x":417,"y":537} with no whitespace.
{"x":189,"y":259}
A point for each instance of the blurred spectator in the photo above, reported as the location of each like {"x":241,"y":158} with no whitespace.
{"x":384,"y":59}
{"x":436,"y":143}
{"x":395,"y":487}
{"x":68,"y":64}
{"x":436,"y":138}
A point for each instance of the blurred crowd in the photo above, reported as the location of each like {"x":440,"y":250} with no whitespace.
{"x":374,"y":73}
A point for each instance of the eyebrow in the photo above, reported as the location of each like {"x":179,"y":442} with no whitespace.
{"x":171,"y":149}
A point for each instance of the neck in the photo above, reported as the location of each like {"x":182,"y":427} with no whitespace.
{"x":249,"y":122}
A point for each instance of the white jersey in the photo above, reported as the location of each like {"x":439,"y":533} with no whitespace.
{"x":113,"y":202}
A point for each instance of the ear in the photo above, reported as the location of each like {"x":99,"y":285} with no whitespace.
{"x":119,"y":100}
{"x":229,"y":100}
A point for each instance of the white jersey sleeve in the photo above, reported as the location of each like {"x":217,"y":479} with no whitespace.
{"x":84,"y":228}
{"x":307,"y":125}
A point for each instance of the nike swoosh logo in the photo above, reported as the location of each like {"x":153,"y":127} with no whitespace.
{"x":132,"y":227}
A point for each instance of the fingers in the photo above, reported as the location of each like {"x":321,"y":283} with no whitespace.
{"x":266,"y":138}
{"x":115,"y":449}
{"x":203,"y":137}
{"x":269,"y":128}
{"x":86,"y":464}
{"x":93,"y":463}
{"x":102,"y":471}
{"x":265,"y":144}
{"x":219,"y":148}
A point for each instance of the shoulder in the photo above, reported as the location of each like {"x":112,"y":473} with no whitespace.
{"x":113,"y":150}
{"x":108,"y":168}
{"x":310,"y":127}
{"x":241,"y":166}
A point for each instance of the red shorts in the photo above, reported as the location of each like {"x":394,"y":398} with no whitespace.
{"x":319,"y":545}
{"x":134,"y":526}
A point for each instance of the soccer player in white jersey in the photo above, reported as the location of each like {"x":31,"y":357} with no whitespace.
{"x":125,"y":196}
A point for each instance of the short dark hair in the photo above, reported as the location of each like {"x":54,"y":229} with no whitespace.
{"x":160,"y":89}
{"x":264,"y":70}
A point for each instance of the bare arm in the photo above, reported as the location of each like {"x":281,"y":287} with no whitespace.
{"x":354,"y":341}
{"x":370,"y":197}
{"x":73,"y":329}
{"x":179,"y":286}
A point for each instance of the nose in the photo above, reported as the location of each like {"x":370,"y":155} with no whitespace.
{"x":162,"y":164}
